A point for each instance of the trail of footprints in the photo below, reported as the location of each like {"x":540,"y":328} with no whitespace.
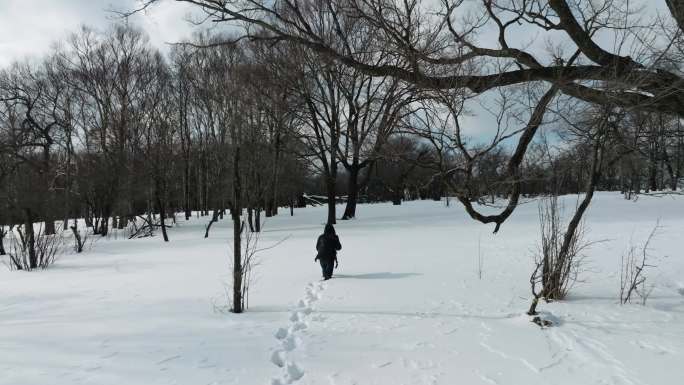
{"x":289,"y":337}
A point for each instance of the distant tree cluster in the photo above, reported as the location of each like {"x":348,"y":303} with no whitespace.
{"x":108,"y":129}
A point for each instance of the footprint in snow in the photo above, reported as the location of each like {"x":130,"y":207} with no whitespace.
{"x":301,"y":325}
{"x":281,"y":333}
{"x":313,"y":296}
{"x":288,"y":336}
{"x":290,"y":343}
{"x":296,"y":316}
{"x":303,"y":303}
{"x":294,"y":372}
{"x":306,"y":310}
{"x":278,"y":358}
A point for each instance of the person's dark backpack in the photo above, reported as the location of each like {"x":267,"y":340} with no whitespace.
{"x":327,"y":245}
{"x":319,"y":245}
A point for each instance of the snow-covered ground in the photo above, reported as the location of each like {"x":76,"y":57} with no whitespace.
{"x":407,"y":306}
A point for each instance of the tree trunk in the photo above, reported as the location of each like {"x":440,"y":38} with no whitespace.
{"x":67,"y":188}
{"x":89,"y":217}
{"x":670,"y":171}
{"x":49,"y":225}
{"x":250,"y":218}
{"x":397,"y":195}
{"x":236,"y":213}
{"x":352,"y":192}
{"x":2,"y":240}
{"x":47,"y":204}
{"x":206,"y":191}
{"x":257,"y":220}
{"x":272,"y":201}
{"x":552,"y":284}
{"x":30,"y":238}
{"x":214,"y":219}
{"x":77,"y":236}
{"x":330,"y":184}
{"x":200,"y":207}
{"x":533,"y":306}
{"x":96,"y":226}
{"x":104,"y":223}
{"x":186,"y":189}
{"x":652,"y":176}
{"x":162,"y":217}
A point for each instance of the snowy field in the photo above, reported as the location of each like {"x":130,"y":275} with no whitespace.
{"x":406,"y":307}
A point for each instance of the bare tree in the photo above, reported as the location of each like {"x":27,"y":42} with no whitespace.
{"x":318,"y":86}
{"x":633,"y":267}
{"x":376,"y":107}
{"x":434,"y":48}
{"x":110,"y":73}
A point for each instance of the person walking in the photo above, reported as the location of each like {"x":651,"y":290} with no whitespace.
{"x":326,"y":247}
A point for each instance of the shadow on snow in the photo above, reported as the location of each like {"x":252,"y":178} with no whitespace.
{"x":383,"y":275}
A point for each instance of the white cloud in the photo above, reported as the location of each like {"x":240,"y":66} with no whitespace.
{"x":29,"y":27}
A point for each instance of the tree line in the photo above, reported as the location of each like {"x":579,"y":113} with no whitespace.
{"x":108,"y":129}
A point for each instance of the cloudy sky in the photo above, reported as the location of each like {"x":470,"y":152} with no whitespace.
{"x":29,"y":27}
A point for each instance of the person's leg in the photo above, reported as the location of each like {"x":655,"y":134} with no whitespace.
{"x":329,"y":269}
{"x":323,"y":266}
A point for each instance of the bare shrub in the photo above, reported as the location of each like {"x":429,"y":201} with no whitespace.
{"x":80,"y":239}
{"x":559,"y":258}
{"x":480,"y":259}
{"x":37,"y":251}
{"x":143,"y":226}
{"x":633,"y":265}
{"x":250,"y":241}
{"x":250,"y":261}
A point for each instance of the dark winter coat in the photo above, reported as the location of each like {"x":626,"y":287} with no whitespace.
{"x":327,"y":245}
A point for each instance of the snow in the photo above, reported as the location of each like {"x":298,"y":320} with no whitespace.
{"x":406,"y":305}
